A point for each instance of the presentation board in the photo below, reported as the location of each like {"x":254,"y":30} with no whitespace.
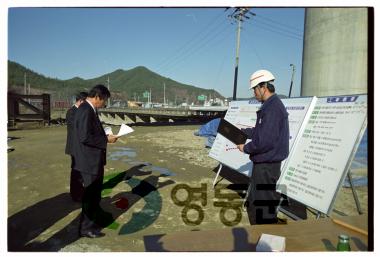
{"x":323,"y":151}
{"x":324,"y":135}
{"x":243,"y":115}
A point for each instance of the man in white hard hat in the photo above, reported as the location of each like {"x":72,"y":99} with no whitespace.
{"x":268,"y":148}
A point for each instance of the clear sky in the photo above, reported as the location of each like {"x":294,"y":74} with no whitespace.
{"x":195,"y":46}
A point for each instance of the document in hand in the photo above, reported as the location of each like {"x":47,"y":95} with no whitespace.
{"x":108,"y":131}
{"x":124,"y":130}
{"x":232,"y":133}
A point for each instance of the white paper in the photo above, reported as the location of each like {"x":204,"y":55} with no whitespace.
{"x":270,"y":243}
{"x":108,"y":130}
{"x":124,"y":130}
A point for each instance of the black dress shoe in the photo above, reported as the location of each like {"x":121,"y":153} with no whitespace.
{"x":92,"y":234}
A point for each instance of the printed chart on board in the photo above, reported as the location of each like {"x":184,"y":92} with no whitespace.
{"x":243,"y":115}
{"x":323,"y":151}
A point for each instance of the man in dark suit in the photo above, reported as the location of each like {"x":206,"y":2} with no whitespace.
{"x":76,"y":187}
{"x":90,"y":146}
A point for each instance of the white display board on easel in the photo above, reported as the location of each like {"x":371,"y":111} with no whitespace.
{"x":323,"y":151}
{"x":324,"y":136}
{"x":243,"y":115}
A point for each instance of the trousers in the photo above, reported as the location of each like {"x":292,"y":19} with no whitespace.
{"x":90,"y":201}
{"x":263,"y":200}
{"x":76,"y":183}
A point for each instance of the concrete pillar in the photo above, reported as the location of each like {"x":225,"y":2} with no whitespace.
{"x":128,"y":119}
{"x":119,"y":119}
{"x":335,"y":51}
{"x":139,"y":119}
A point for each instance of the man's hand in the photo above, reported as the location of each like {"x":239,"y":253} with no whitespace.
{"x":240,"y":147}
{"x":111,"y":138}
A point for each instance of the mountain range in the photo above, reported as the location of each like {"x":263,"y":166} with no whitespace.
{"x":124,"y":85}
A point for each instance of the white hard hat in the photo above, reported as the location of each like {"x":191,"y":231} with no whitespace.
{"x":259,"y":77}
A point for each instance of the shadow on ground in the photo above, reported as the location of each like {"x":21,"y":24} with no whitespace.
{"x":156,"y":243}
{"x":31,"y":222}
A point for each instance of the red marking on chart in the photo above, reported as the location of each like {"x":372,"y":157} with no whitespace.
{"x":231,"y":148}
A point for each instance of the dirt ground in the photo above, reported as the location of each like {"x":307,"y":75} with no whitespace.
{"x":143,"y":172}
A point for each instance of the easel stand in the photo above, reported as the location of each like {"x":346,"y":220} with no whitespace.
{"x":217,"y":174}
{"x":358,"y":207}
{"x":215,"y":182}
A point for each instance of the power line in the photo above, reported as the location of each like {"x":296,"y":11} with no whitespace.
{"x":278,"y":28}
{"x":275,"y":31}
{"x":250,"y":45}
{"x":193,"y":48}
{"x":221,"y":65}
{"x":197,"y":47}
{"x":279,"y":23}
{"x":181,"y":49}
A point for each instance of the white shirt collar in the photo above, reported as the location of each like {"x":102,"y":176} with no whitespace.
{"x":91,"y":105}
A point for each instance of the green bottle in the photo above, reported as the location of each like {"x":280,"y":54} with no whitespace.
{"x":343,"y":244}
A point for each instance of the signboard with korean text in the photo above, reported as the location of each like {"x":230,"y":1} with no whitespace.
{"x":243,"y":115}
{"x":323,"y":151}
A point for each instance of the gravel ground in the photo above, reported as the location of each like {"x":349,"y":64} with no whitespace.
{"x":153,"y":159}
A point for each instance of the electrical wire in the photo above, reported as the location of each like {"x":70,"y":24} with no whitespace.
{"x":187,"y":45}
{"x":279,"y":23}
{"x":274,"y":30}
{"x":202,"y":48}
{"x":250,"y":46}
{"x":194,"y":48}
{"x":278,"y":28}
{"x":199,"y":45}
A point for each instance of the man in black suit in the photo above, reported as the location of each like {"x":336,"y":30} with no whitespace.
{"x":76,"y":187}
{"x":90,"y":144}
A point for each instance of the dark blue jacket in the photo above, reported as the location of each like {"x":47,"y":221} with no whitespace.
{"x":270,"y":136}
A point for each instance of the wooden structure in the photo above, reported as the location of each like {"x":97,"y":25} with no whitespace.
{"x":301,"y":236}
{"x":28,"y":108}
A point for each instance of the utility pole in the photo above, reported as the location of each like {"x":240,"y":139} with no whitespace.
{"x":108,"y":86}
{"x":164,"y":93}
{"x":239,"y":15}
{"x":28,"y":92}
{"x":291,"y":82}
{"x":24,"y":83}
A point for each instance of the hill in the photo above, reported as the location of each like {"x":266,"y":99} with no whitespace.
{"x":124,"y":84}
